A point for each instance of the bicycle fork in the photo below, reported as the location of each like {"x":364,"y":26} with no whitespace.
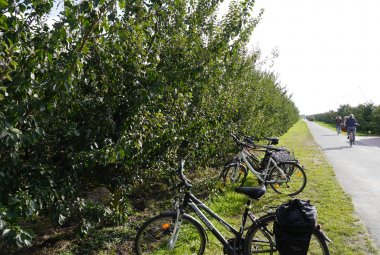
{"x":177,"y":227}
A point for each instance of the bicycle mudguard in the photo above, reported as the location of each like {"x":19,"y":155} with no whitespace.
{"x":295,"y":161}
{"x":318,"y":229}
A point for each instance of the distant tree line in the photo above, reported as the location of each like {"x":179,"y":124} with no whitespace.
{"x":367,"y":115}
{"x":113,"y":93}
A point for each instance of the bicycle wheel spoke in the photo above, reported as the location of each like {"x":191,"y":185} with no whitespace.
{"x":155,"y":235}
{"x":287,"y":178}
{"x":234,"y":173}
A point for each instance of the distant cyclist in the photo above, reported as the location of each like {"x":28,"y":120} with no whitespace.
{"x":338,"y":124}
{"x":351,"y":125}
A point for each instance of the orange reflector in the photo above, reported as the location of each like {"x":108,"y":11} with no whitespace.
{"x":165,"y":226}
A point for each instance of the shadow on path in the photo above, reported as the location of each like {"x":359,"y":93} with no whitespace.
{"x":347,"y":146}
{"x":337,"y":148}
{"x":375,"y":142}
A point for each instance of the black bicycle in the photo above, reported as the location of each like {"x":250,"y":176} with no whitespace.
{"x":176,"y":232}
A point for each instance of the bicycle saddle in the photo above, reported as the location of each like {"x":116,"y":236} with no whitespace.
{"x":272,"y":148}
{"x":252,"y":192}
{"x":273,"y":140}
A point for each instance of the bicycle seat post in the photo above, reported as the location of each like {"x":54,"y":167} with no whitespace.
{"x":244,"y":217}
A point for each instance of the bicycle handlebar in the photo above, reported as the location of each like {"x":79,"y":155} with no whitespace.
{"x":248,"y":141}
{"x":183,"y":178}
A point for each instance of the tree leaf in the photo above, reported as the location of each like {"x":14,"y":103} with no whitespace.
{"x":15,"y":130}
{"x":6,"y":232}
{"x":61,"y":219}
{"x":3,"y":4}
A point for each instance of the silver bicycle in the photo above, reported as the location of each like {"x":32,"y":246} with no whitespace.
{"x":284,"y":176}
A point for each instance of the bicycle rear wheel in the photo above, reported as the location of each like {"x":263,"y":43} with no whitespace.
{"x":287,"y":178}
{"x":351,"y":138}
{"x":262,"y":242}
{"x":154,"y":235}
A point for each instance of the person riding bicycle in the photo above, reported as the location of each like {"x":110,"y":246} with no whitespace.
{"x":351,"y":125}
{"x":338,"y":124}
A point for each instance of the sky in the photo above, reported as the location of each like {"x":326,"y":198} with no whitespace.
{"x":329,"y":50}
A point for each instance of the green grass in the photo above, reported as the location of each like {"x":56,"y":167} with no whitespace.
{"x":335,"y":210}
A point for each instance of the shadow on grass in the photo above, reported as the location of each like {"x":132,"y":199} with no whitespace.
{"x":102,"y":240}
{"x":111,"y":240}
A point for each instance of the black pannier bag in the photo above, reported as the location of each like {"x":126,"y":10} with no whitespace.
{"x":294,"y":225}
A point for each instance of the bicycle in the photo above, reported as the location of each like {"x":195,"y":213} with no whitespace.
{"x":176,"y":232}
{"x":338,"y":129}
{"x":284,"y":176}
{"x":351,"y":138}
{"x":351,"y":134}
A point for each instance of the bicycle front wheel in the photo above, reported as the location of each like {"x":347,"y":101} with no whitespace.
{"x":154,"y":235}
{"x":260,"y":240}
{"x":287,"y":178}
{"x":234,"y":173}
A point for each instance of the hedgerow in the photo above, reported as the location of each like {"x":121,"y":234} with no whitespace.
{"x":113,"y":93}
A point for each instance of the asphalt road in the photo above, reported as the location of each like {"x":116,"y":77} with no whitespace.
{"x":358,"y":171}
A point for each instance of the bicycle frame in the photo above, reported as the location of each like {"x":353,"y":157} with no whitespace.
{"x":262,"y":176}
{"x":196,"y":205}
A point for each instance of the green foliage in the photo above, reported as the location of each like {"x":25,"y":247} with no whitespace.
{"x":367,"y":116}
{"x":110,"y":97}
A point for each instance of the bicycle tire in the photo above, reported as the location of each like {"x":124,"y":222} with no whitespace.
{"x":351,"y":138}
{"x":153,"y":236}
{"x":258,"y":243}
{"x":291,"y":184}
{"x":234,"y":172}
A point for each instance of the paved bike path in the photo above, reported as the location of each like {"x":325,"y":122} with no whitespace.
{"x":358,"y":171}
